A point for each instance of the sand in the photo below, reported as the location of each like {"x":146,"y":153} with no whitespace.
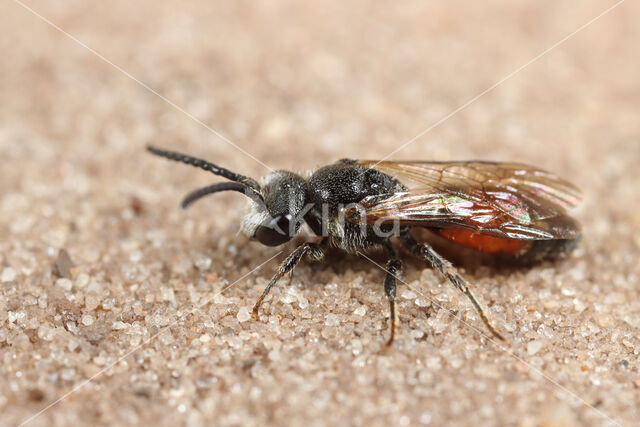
{"x":117,"y":307}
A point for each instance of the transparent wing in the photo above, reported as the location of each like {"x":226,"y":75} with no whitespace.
{"x":501,"y":199}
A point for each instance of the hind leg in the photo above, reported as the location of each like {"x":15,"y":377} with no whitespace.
{"x":445,"y":268}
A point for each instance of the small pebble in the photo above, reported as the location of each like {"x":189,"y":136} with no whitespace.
{"x":64,"y":284}
{"x":63,"y":264}
{"x":274,"y":355}
{"x":168,"y":294}
{"x":91,"y":302}
{"x":360,"y":311}
{"x":243,"y":314}
{"x":425,"y":418}
{"x":87,"y":320}
{"x":408,"y":294}
{"x":119,"y":325}
{"x":605,"y":321}
{"x":533,"y":347}
{"x":422,"y":302}
{"x":82,"y":280}
{"x":203,"y":264}
{"x":332,"y":320}
{"x":8,"y":275}
{"x":434,"y":362}
{"x":303,"y":302}
{"x":288,"y":297}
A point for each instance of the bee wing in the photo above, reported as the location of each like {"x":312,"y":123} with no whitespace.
{"x":508,"y":200}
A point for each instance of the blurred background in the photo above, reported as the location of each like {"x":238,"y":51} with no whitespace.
{"x":253,"y":85}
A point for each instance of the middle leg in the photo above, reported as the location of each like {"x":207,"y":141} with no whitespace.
{"x":393,"y":268}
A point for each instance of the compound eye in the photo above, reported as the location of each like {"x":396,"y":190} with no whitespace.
{"x":275,"y":231}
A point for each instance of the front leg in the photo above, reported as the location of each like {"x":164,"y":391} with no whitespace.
{"x":313,"y":250}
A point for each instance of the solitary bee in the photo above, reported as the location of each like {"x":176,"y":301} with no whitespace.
{"x":503,"y":209}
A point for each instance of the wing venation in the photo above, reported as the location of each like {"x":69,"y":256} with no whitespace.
{"x":509,"y":200}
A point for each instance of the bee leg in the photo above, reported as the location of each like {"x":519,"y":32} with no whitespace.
{"x":393,"y":268}
{"x":290,"y":278}
{"x":445,"y":268}
{"x":313,"y":250}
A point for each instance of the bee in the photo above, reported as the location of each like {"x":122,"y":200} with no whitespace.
{"x":501,"y":209}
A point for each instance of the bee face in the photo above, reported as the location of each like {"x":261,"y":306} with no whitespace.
{"x":279,"y":218}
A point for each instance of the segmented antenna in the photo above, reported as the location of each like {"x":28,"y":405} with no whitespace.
{"x":222,"y":186}
{"x":203,"y":164}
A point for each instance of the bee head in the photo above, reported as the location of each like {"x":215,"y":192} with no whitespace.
{"x":277,"y":218}
{"x":277,"y":204}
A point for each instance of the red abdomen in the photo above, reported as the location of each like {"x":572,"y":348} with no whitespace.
{"x":487,"y":244}
{"x":525,"y":250}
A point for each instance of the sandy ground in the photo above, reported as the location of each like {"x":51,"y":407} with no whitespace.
{"x":151,"y":303}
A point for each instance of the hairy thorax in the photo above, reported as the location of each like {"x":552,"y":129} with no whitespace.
{"x":338,"y":186}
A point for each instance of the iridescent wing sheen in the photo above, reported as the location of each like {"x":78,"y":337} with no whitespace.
{"x":508,"y":200}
